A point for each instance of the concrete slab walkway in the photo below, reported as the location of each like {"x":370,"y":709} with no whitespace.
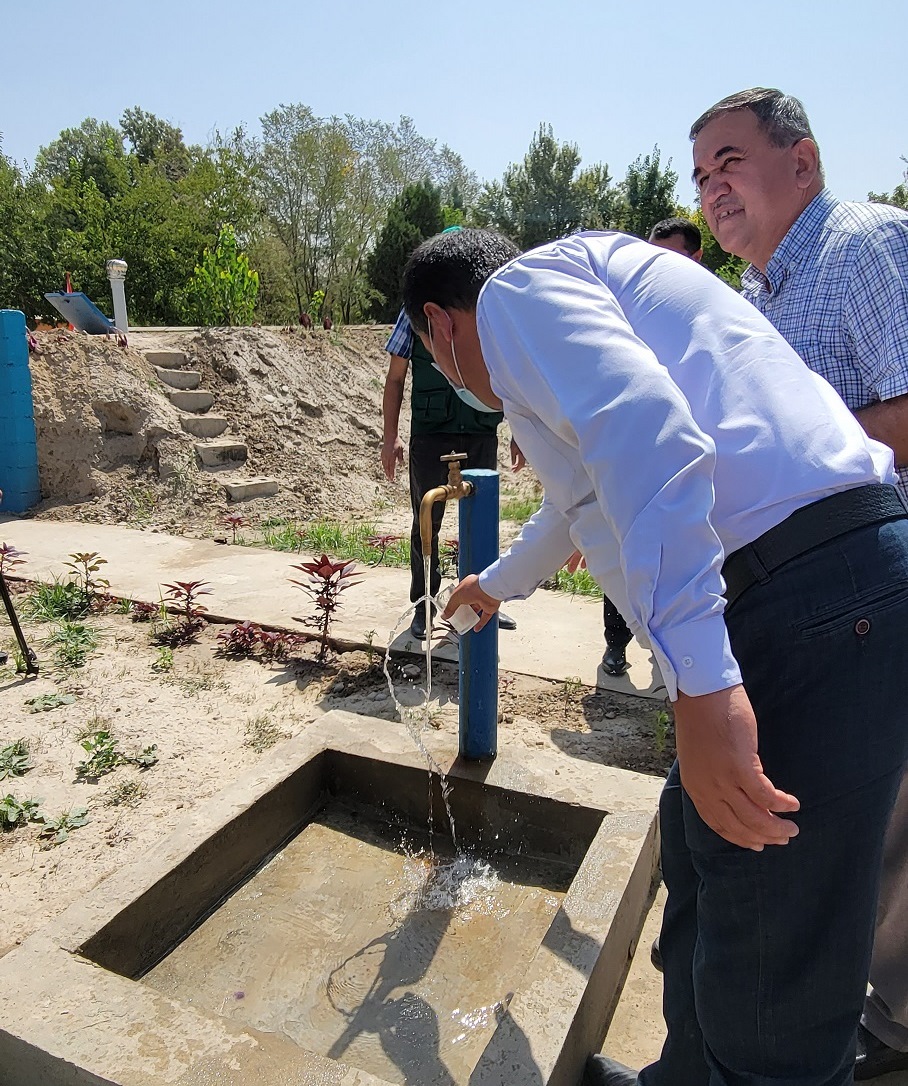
{"x":557,"y":635}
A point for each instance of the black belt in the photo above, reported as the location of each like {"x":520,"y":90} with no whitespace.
{"x":806,"y":528}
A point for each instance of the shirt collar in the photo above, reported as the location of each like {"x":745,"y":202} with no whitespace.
{"x":801,"y":235}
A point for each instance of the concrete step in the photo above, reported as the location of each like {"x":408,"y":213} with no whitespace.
{"x":204,"y":425}
{"x":191,"y":400}
{"x":167,"y":360}
{"x":241,"y":490}
{"x":184,"y":379}
{"x":214,"y":454}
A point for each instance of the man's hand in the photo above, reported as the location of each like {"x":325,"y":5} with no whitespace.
{"x":518,"y":460}
{"x":469,"y":592}
{"x":392,"y":454}
{"x":716,"y":739}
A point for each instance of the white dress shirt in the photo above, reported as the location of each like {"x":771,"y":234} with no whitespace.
{"x":670,"y":425}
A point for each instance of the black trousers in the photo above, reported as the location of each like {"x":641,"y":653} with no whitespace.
{"x":427,"y":471}
{"x":617,"y":631}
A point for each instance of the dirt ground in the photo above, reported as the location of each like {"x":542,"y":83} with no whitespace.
{"x":209,"y":718}
{"x":307,"y":404}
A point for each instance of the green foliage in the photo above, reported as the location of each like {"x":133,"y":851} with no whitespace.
{"x":570,"y":689}
{"x":15,"y":760}
{"x":73,"y":642}
{"x":83,"y":568}
{"x":662,"y":726}
{"x":899,"y":195}
{"x":357,"y":541}
{"x":414,"y":216}
{"x":579,"y":583}
{"x":14,"y":812}
{"x":726,"y":266}
{"x":57,"y":830}
{"x":54,"y":601}
{"x":104,"y":756}
{"x":647,"y":194}
{"x":223,"y":289}
{"x":547,"y":196}
{"x":519,"y":509}
{"x":43,"y":703}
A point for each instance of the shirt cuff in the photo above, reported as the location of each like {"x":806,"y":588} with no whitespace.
{"x":695,"y":658}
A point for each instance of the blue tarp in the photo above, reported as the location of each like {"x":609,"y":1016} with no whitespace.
{"x":81,"y":312}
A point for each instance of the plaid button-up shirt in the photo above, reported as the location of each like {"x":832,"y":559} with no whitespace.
{"x":837,"y":290}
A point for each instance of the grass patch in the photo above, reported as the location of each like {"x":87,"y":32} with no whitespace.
{"x":335,"y":539}
{"x":580,"y":583}
{"x":519,"y":510}
{"x":72,"y":641}
{"x":56,"y":601}
{"x":262,"y":733}
{"x":125,"y":794}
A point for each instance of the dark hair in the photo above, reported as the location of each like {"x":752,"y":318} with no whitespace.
{"x":782,"y":117}
{"x":450,"y":270}
{"x":668,"y":228}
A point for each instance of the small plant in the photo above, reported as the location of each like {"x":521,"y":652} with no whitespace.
{"x":14,"y":812}
{"x":235,"y":522}
{"x":10,"y":558}
{"x":449,"y":557}
{"x":239,"y":640}
{"x":104,"y":756}
{"x":579,"y":583}
{"x":15,"y":759}
{"x":164,"y":661}
{"x":43,"y":703}
{"x":370,"y":645}
{"x":55,"y":601}
{"x":73,"y":642}
{"x":125,"y":605}
{"x":519,"y":509}
{"x":186,"y":595}
{"x":140,"y":504}
{"x":381,"y":543}
{"x":125,"y":794}
{"x":20,"y":662}
{"x":570,"y":688}
{"x":262,"y":733}
{"x":662,"y":726}
{"x":83,"y":568}
{"x":326,"y":581}
{"x":56,"y":830}
{"x":144,"y":612}
{"x":275,"y":644}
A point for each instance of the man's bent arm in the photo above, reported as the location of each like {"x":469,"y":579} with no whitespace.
{"x":392,"y":450}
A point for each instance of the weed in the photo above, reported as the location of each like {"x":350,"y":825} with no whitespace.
{"x":262,"y":733}
{"x":326,"y":581}
{"x":73,"y":642}
{"x":239,"y":640}
{"x":370,"y":645}
{"x":519,"y":509}
{"x":570,"y":688}
{"x":104,"y":756}
{"x":145,"y":612}
{"x":10,"y":557}
{"x":55,"y":601}
{"x":330,"y":537}
{"x":164,"y":661}
{"x":662,"y":726}
{"x":20,"y":661}
{"x":83,"y":568}
{"x":15,"y":760}
{"x":14,"y":812}
{"x":276,"y":645}
{"x":56,"y":830}
{"x":125,"y":606}
{"x":182,"y":475}
{"x":140,"y":502}
{"x":449,"y":557}
{"x":381,"y":543}
{"x":579,"y":583}
{"x":125,"y":794}
{"x":43,"y":703}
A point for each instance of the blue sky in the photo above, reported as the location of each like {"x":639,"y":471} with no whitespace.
{"x":480,"y":76}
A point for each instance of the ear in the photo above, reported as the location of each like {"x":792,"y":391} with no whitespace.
{"x":440,"y":320}
{"x":806,"y":161}
{"x":698,"y":256}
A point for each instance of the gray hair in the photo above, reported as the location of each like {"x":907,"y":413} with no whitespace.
{"x":782,"y":117}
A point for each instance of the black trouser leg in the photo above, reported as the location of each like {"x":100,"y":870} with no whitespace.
{"x":617,"y":631}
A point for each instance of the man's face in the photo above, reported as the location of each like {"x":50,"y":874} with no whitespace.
{"x":675,"y":242}
{"x":750,"y":190}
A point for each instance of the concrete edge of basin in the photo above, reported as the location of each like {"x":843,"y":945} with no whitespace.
{"x":70,"y":1022}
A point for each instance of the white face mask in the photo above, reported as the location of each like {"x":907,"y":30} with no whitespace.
{"x":463,"y":392}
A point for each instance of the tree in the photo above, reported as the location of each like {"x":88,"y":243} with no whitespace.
{"x":546,"y":196}
{"x":155,"y":140}
{"x":899,"y":195}
{"x":647,"y":195}
{"x":93,"y":151}
{"x":416,"y":215}
{"x":223,"y":289}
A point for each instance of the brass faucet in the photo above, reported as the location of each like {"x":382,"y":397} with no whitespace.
{"x":455,"y":489}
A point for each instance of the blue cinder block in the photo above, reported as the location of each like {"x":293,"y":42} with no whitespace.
{"x":18,"y":447}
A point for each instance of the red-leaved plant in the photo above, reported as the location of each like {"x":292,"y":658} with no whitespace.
{"x":235,"y":522}
{"x":10,"y":557}
{"x":381,"y":544}
{"x":186,"y":595}
{"x":325,"y":582}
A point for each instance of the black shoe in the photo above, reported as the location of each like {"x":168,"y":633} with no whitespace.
{"x":418,"y":625}
{"x":655,"y":955}
{"x":505,"y":622}
{"x":614,"y":661}
{"x":602,"y":1071}
{"x":874,"y":1058}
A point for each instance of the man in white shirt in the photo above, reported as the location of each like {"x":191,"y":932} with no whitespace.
{"x":729,"y":503}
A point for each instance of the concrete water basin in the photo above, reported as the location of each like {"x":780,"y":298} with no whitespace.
{"x":295,"y":929}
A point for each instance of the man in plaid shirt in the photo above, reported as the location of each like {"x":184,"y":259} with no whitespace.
{"x":833,"y":279}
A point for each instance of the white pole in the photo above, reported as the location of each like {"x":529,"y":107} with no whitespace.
{"x":116,"y":273}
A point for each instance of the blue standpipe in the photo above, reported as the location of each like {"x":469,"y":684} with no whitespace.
{"x":18,"y":446}
{"x":478,"y":520}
